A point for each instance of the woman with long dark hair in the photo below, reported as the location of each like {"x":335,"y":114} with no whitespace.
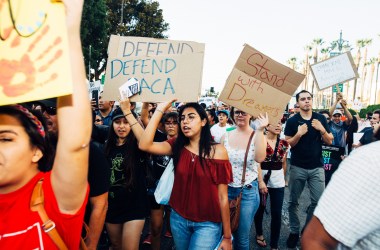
{"x":202,"y":171}
{"x":127,"y":199}
{"x":28,"y":222}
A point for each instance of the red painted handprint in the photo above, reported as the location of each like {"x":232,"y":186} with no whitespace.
{"x":22,"y":75}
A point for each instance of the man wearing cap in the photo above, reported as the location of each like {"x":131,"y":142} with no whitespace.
{"x":219,"y":129}
{"x":337,"y":127}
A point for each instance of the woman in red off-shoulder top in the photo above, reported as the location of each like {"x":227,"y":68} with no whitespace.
{"x":199,"y":197}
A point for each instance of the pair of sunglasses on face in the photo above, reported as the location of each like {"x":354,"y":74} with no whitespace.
{"x":48,"y":110}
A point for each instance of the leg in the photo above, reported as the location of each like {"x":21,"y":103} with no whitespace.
{"x":181,"y":231}
{"x":132,"y":233}
{"x":168,"y":232}
{"x":259,"y":225}
{"x":115,"y":232}
{"x":276,"y":201}
{"x":249,"y":205}
{"x":316,"y":184}
{"x":201,"y":229}
{"x":297,"y":181}
{"x":156,"y":223}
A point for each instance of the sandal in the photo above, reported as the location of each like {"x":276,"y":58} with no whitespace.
{"x":261,"y":242}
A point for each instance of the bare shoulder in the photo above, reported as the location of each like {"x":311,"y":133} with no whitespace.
{"x":220,"y":152}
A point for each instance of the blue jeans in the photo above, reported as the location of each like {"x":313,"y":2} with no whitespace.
{"x":249,"y":204}
{"x":188,"y":234}
{"x":298,"y":178}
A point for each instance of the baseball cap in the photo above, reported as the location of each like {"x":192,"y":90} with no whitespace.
{"x":226,"y":112}
{"x":117,"y":113}
{"x":337,"y":112}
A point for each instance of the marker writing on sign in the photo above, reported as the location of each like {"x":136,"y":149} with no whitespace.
{"x":257,"y":62}
{"x":158,"y":48}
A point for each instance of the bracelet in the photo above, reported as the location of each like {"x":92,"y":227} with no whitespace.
{"x":128,"y":114}
{"x":162,"y":112}
{"x":324,"y":133}
{"x":227,"y":238}
{"x":133,"y":124}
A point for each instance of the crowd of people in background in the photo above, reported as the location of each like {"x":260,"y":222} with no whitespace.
{"x":113,"y":162}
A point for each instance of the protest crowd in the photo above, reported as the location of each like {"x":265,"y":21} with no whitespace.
{"x":90,"y":174}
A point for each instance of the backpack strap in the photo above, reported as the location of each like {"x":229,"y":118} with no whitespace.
{"x":37,"y":205}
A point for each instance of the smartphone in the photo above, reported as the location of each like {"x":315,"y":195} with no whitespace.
{"x":95,"y":96}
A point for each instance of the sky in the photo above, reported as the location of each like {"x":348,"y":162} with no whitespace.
{"x":278,"y":28}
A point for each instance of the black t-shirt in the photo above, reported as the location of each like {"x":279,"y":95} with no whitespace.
{"x":98,"y":175}
{"x":126,"y":204}
{"x":307,"y":153}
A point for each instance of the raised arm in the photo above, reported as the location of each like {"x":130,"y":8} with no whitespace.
{"x":146,"y":142}
{"x":69,"y":174}
{"x":145,"y":114}
{"x":346,"y":112}
{"x":136,"y":127}
{"x":260,"y":141}
{"x":333,"y":107}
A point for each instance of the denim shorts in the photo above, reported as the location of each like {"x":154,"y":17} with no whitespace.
{"x":188,"y":234}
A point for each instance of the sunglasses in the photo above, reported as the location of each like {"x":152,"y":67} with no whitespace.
{"x":171,"y":123}
{"x":242,"y":113}
{"x":50,"y":110}
{"x":98,"y":120}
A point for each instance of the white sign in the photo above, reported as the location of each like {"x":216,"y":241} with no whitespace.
{"x":130,"y":88}
{"x":334,"y":70}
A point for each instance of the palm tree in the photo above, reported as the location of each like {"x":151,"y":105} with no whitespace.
{"x":377,"y":74}
{"x":367,"y":42}
{"x":315,"y":44}
{"x":371,"y":63}
{"x":306,"y":65}
{"x":292,"y":62}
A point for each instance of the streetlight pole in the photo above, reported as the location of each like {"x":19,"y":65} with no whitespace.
{"x":122,"y":12}
{"x":89,"y":65}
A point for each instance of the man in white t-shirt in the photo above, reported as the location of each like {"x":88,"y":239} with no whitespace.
{"x":348,"y":213}
{"x":219,"y":129}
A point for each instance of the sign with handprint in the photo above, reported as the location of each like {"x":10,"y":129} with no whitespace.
{"x":34,"y":59}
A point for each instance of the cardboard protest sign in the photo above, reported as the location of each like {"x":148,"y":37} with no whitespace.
{"x":258,"y":84}
{"x":331,"y":159}
{"x":165,"y":69}
{"x":34,"y":62}
{"x":338,"y":69}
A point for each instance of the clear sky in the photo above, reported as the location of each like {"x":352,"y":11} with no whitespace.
{"x":278,"y":28}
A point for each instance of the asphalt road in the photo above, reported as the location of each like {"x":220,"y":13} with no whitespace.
{"x":167,"y":243}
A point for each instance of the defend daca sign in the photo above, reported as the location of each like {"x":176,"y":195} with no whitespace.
{"x":166,"y":69}
{"x":258,"y":84}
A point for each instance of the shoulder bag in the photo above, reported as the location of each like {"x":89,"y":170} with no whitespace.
{"x":235,"y":203}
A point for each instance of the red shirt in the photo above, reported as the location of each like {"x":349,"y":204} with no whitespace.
{"x":195,"y":189}
{"x":20,"y":228}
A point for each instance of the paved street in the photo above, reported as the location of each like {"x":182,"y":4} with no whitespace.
{"x":167,"y":244}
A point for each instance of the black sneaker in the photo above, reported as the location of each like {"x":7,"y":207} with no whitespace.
{"x":292,"y":240}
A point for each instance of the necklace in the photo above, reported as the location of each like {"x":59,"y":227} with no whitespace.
{"x":192,"y":156}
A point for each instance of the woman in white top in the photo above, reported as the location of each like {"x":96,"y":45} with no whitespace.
{"x":236,"y":142}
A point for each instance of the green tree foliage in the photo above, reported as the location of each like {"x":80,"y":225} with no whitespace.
{"x":95,"y":32}
{"x":101,"y":18}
